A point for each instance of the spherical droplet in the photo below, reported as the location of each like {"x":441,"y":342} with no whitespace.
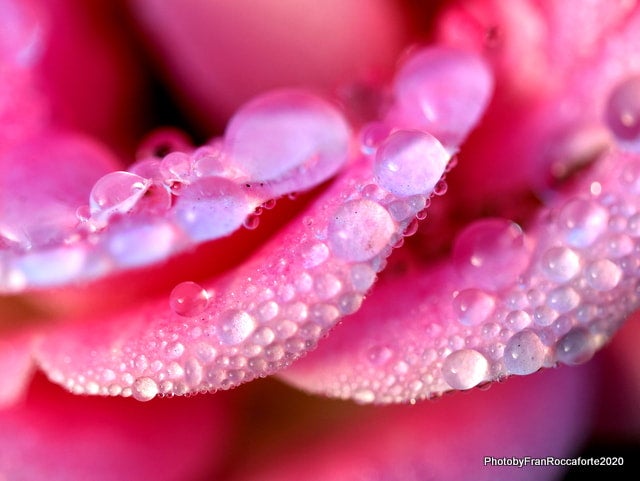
{"x":188,"y":299}
{"x":116,"y":193}
{"x":603,"y":275}
{"x":524,"y":353}
{"x":491,"y":253}
{"x":560,"y":264}
{"x":144,"y":389}
{"x":235,"y":327}
{"x":410,"y":162}
{"x":623,"y":113}
{"x":582,"y":222}
{"x":360,"y":230}
{"x":464,"y":369}
{"x":287,"y":134}
{"x":563,"y":299}
{"x":473,"y":306}
{"x":575,"y":347}
{"x":210,"y":208}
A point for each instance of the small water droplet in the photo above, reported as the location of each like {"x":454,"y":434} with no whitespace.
{"x":379,"y":355}
{"x":603,"y":275}
{"x":144,"y":389}
{"x":188,"y":299}
{"x":116,"y":193}
{"x":524,"y":353}
{"x":473,"y":306}
{"x":235,"y":327}
{"x":582,"y":222}
{"x":575,"y":347}
{"x":560,"y":264}
{"x":360,"y":230}
{"x":176,"y":167}
{"x":465,"y":369}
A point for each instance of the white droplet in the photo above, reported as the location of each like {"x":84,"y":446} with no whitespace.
{"x":144,"y":389}
{"x":603,"y":275}
{"x":360,"y":230}
{"x":465,"y":369}
{"x":524,"y":353}
{"x":235,"y":327}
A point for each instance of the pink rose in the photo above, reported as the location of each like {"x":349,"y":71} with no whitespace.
{"x":461,"y":213}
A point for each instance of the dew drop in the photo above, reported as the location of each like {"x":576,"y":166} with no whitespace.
{"x":622,"y":113}
{"x":372,"y":135}
{"x":360,"y":230}
{"x":491,"y":253}
{"x":575,"y":347}
{"x":464,"y":369}
{"x":518,"y":320}
{"x":288,"y":135}
{"x":144,"y":389}
{"x":560,"y":264}
{"x":410,"y":162}
{"x":473,"y":306}
{"x":176,"y":167}
{"x":603,"y":275}
{"x":524,"y":353}
{"x":211,"y":207}
{"x":582,"y":222}
{"x":188,"y":299}
{"x":235,"y":327}
{"x":563,"y":299}
{"x":116,"y":193}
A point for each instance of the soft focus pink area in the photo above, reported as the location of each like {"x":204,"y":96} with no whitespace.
{"x":55,"y":435}
{"x":90,"y":73}
{"x":448,"y":438}
{"x":219,"y":54}
{"x":16,"y":367}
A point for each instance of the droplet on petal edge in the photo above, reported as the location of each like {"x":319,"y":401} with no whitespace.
{"x":265,"y":314}
{"x":571,"y":288}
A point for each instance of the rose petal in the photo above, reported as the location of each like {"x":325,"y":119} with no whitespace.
{"x":16,"y":367}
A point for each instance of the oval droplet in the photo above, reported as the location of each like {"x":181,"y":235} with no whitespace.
{"x":464,"y":369}
{"x":473,"y":306}
{"x":524,"y":353}
{"x":622,"y":113}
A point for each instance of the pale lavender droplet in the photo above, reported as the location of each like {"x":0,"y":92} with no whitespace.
{"x":583,"y":221}
{"x":622,"y":113}
{"x":188,"y":299}
{"x":473,"y":306}
{"x":491,"y":253}
{"x":360,"y":230}
{"x":524,"y":353}
{"x":211,"y":207}
{"x":410,"y":162}
{"x":560,"y":264}
{"x":603,"y":275}
{"x":576,"y":347}
{"x":291,"y":138}
{"x":116,"y":193}
{"x":465,"y":369}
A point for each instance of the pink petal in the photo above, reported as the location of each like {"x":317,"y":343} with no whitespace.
{"x":16,"y":367}
{"x":543,"y":415}
{"x":55,"y":435}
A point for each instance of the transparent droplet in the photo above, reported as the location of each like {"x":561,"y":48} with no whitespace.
{"x":563,"y":299}
{"x":473,"y":306}
{"x":622,"y":113}
{"x":188,"y":299}
{"x":491,"y":253}
{"x":560,"y":264}
{"x":410,"y":162}
{"x":379,"y":355}
{"x":465,"y":369}
{"x":603,"y":275}
{"x":372,"y":135}
{"x":582,"y":222}
{"x":211,"y":207}
{"x":360,"y":230}
{"x":235,"y":327}
{"x":176,"y":167}
{"x":144,"y":389}
{"x":524,"y":353}
{"x":116,"y":193}
{"x":576,"y":347}
{"x":518,"y":320}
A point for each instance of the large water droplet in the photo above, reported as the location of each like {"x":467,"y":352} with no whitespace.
{"x":360,"y":230}
{"x":235,"y":327}
{"x":410,"y":162}
{"x":491,"y":253}
{"x":464,"y":369}
{"x":524,"y":353}
{"x":473,"y":306}
{"x":116,"y":193}
{"x":290,"y":137}
{"x":576,"y":347}
{"x":211,"y":207}
{"x":582,"y":222}
{"x":603,"y":275}
{"x":188,"y":299}
{"x":623,"y":113}
{"x":144,"y":389}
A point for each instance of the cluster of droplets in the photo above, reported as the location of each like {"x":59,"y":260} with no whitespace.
{"x":278,"y":305}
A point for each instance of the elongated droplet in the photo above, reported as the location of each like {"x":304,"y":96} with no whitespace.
{"x":410,"y":162}
{"x":188,"y":299}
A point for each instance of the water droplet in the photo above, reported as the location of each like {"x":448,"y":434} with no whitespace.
{"x":116,"y":193}
{"x":193,"y":372}
{"x":211,"y":207}
{"x":563,"y":299}
{"x":235,"y":327}
{"x":524,"y":353}
{"x":188,"y":299}
{"x":544,"y":315}
{"x":288,"y":137}
{"x":326,"y":286}
{"x":410,"y":162}
{"x":144,"y":389}
{"x":314,"y":255}
{"x":491,"y":253}
{"x":622,"y":113}
{"x":560,"y":264}
{"x":575,"y":347}
{"x":360,"y":230}
{"x":372,"y":135}
{"x":473,"y":306}
{"x":364,"y":396}
{"x":518,"y":320}
{"x":163,"y":141}
{"x":362,"y":277}
{"x":603,"y":275}
{"x":582,"y":222}
{"x":176,"y":167}
{"x":464,"y":369}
